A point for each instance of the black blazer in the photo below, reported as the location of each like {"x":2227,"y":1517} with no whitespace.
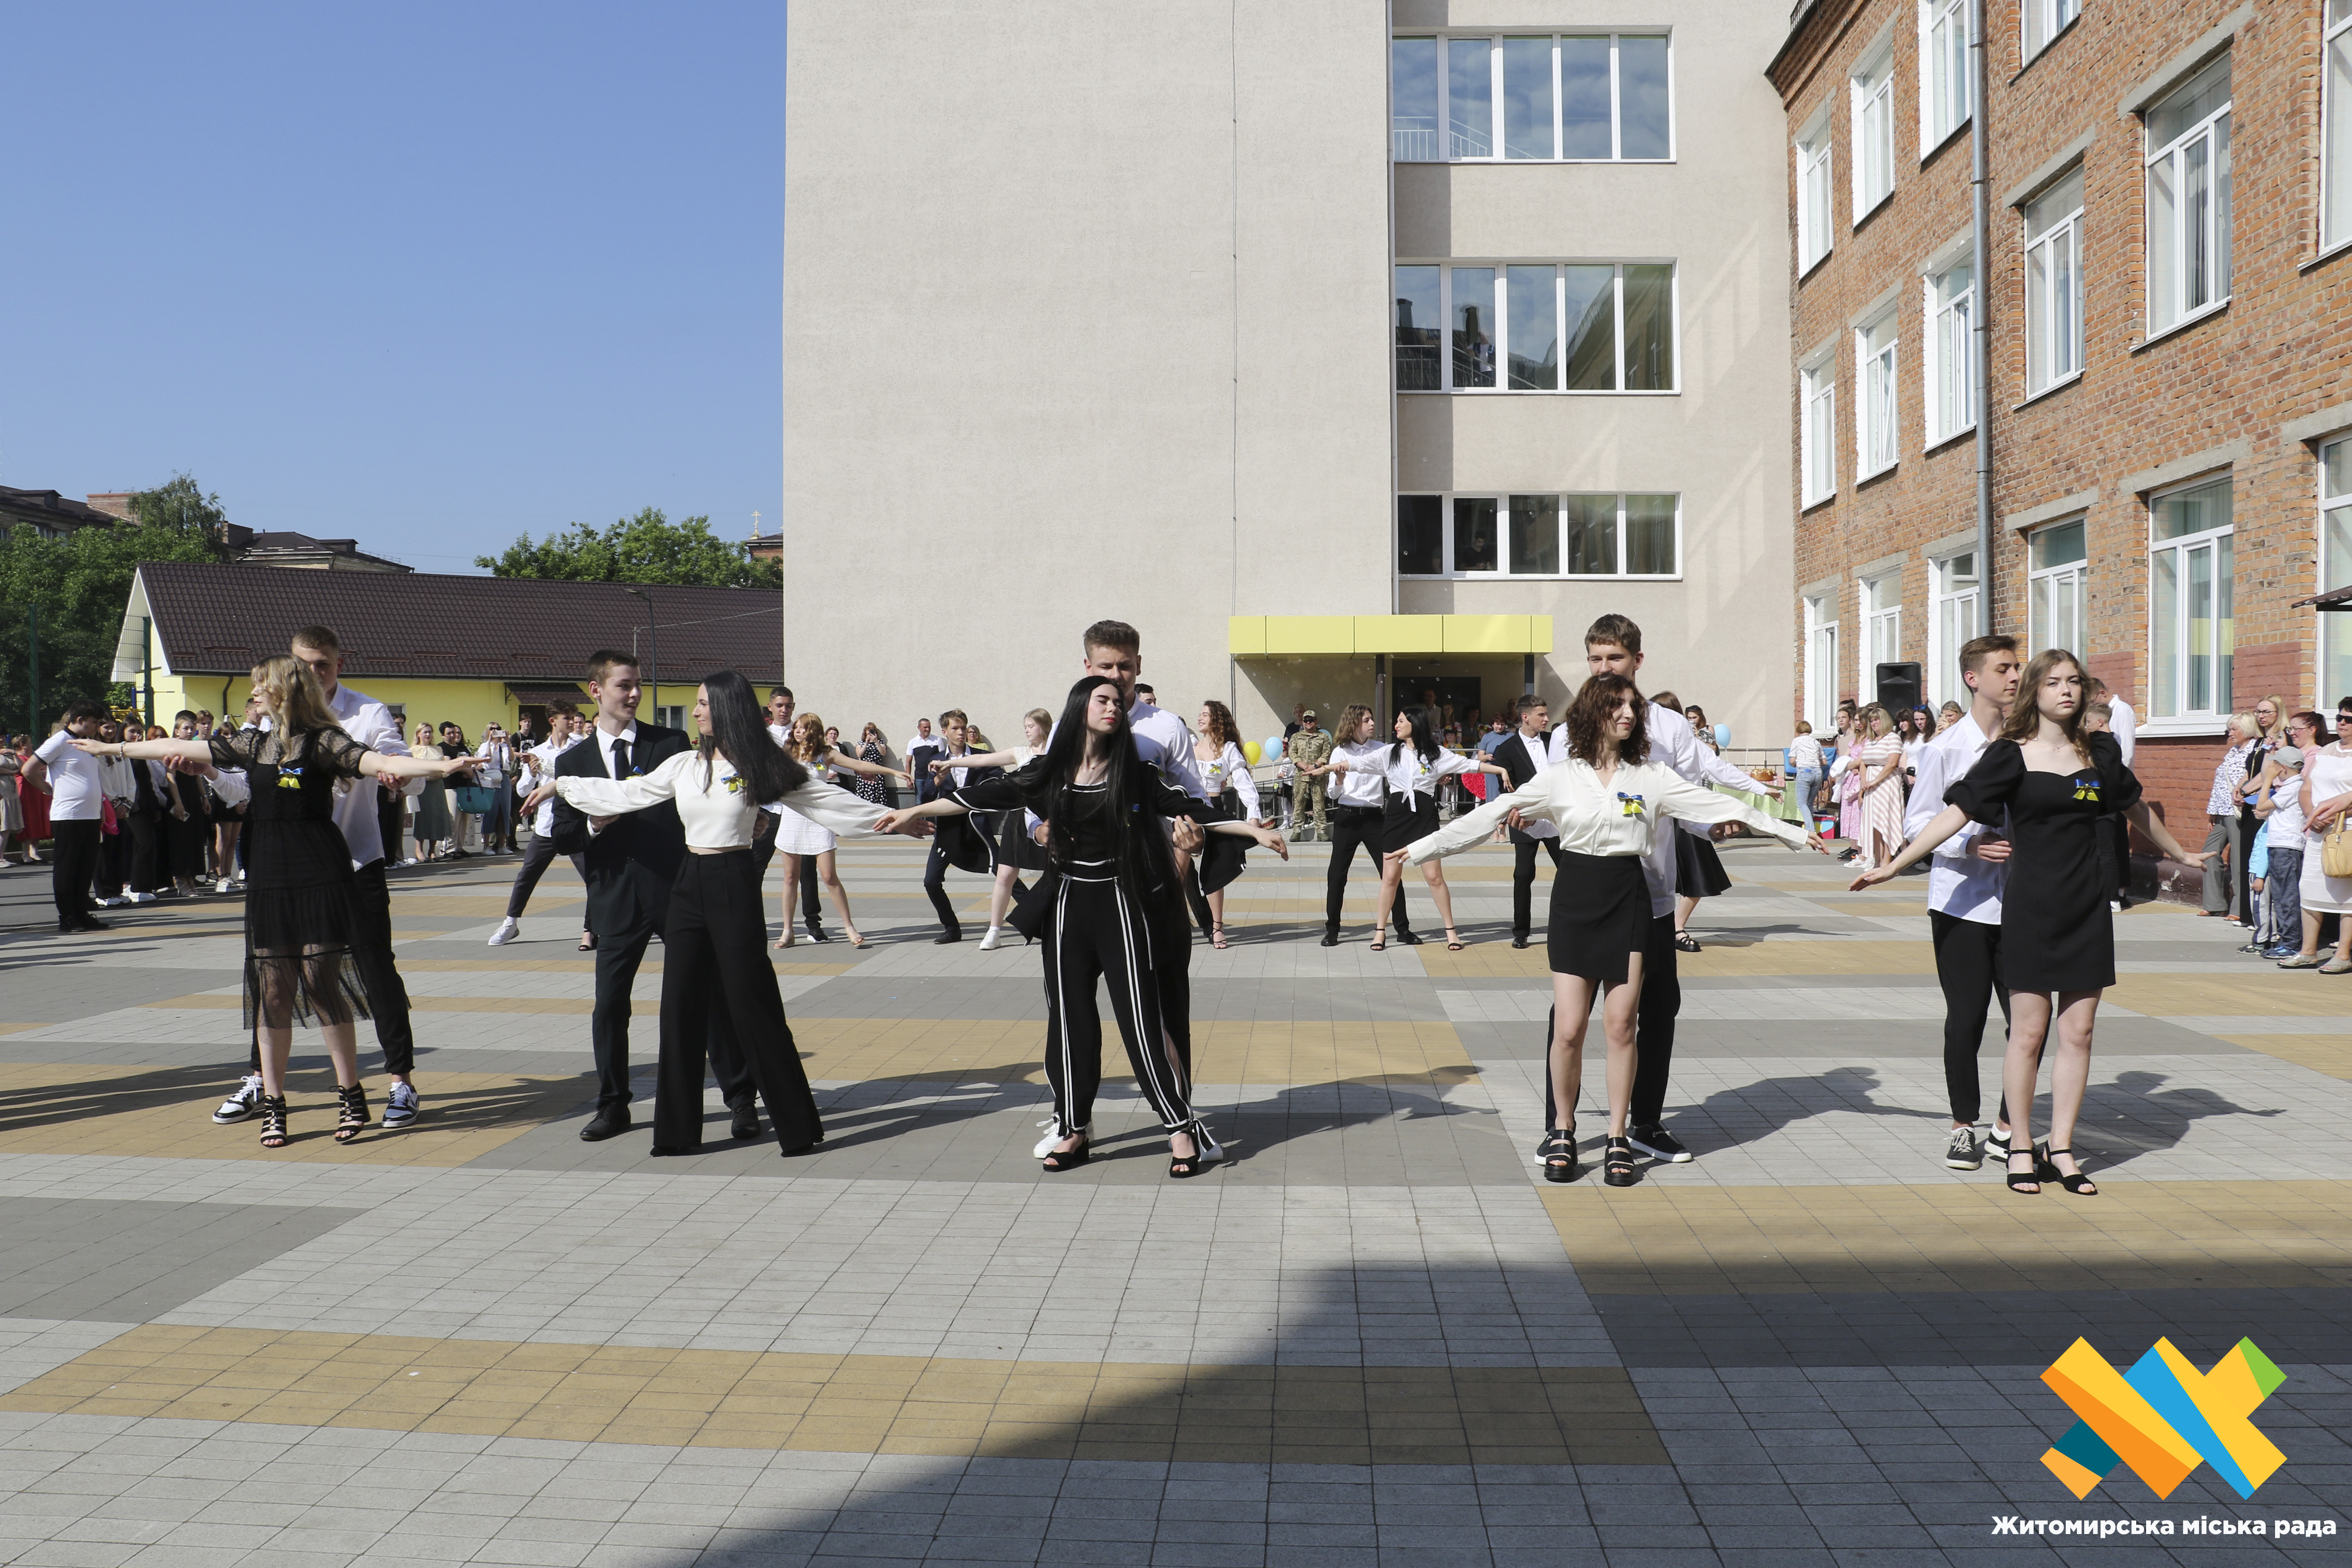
{"x":1513,"y":756}
{"x":969,"y":842}
{"x":633,"y":862}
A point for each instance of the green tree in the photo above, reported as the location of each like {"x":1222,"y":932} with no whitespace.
{"x":80,"y":584}
{"x":646,"y":548}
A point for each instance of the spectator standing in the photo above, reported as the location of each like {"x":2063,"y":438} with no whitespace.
{"x":34,"y":803}
{"x":2327,"y":795}
{"x":2280,"y":811}
{"x":874,"y":789}
{"x":1309,"y":748}
{"x":2223,"y":893}
{"x":1879,"y":761}
{"x":1805,"y":767}
{"x":432,"y":829}
{"x":498,"y":768}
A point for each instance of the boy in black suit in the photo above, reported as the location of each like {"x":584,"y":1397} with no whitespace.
{"x":1524,"y":755}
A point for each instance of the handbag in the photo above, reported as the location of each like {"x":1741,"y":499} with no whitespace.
{"x":476,"y":800}
{"x":2336,"y":849}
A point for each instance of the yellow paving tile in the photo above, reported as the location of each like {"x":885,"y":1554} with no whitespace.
{"x":2330,"y":1054}
{"x":2262,"y":993}
{"x":1225,"y":1051}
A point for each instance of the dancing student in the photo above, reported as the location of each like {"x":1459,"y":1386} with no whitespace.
{"x":2052,"y":784}
{"x":715,"y":929}
{"x":960,"y":845}
{"x":781,"y":707}
{"x":1359,"y":816}
{"x":1017,"y":850}
{"x":1609,"y":801}
{"x":1411,"y":768}
{"x":1523,"y":754}
{"x":1112,"y":911}
{"x":1232,"y":796}
{"x":807,"y":843}
{"x":71,"y":785}
{"x":305,"y":920}
{"x":538,"y":767}
{"x":1699,"y":870}
{"x":1966,"y":877}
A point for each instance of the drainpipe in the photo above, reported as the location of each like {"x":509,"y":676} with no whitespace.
{"x":1980,"y":238}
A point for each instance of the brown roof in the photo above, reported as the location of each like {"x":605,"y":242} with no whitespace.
{"x":223,"y":619}
{"x":49,"y":509}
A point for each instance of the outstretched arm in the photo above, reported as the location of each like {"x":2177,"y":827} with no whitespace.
{"x":2161,"y":836}
{"x":1690,"y":803}
{"x":148,"y":750}
{"x":376,"y":764}
{"x":1946,"y":822}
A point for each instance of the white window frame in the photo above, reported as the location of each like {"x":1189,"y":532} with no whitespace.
{"x":2335,"y":572}
{"x":1495,"y":95}
{"x":1820,"y":688}
{"x":1947,"y":350}
{"x":1872,"y":119}
{"x":1816,"y":193}
{"x":1502,"y":499}
{"x":2061,"y":242}
{"x":1816,"y":428}
{"x":1877,"y":397}
{"x":2044,"y":585}
{"x":2055,"y":16}
{"x":1953,"y":16}
{"x":1500,"y":313}
{"x":1951,"y":623}
{"x":2211,"y":132}
{"x":1882,"y":623}
{"x":2186,"y":719}
{"x":2336,"y":126}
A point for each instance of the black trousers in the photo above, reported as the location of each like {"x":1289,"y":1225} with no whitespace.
{"x":1968,"y":966}
{"x":1098,"y":934}
{"x":618,"y":954}
{"x":715,"y":975}
{"x":935,"y":877}
{"x":387,"y":998}
{"x":111,"y":871}
{"x":763,"y":850}
{"x":73,"y":860}
{"x":1353,"y":825}
{"x":535,"y":862}
{"x":1523,"y":877}
{"x":1653,"y":1031}
{"x":146,"y":848}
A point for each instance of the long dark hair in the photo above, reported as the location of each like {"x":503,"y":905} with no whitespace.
{"x":1587,"y":720}
{"x":739,"y":727}
{"x":2024,"y":720}
{"x":1422,"y":743}
{"x":1048,"y":785}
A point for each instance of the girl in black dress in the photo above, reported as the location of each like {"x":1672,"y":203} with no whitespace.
{"x":302,"y":907}
{"x":2050,"y":783}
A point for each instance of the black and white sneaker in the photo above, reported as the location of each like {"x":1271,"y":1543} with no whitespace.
{"x":401,"y":1107}
{"x":1996,"y":1146}
{"x":1962,"y":1154}
{"x":245,"y":1102}
{"x":1660,"y":1144}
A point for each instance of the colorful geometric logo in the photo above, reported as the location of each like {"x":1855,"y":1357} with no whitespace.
{"x":2162,"y":1417}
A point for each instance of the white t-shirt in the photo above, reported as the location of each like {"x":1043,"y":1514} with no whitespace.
{"x":75,"y":786}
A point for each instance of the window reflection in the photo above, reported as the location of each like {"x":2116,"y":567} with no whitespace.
{"x":1584,"y":99}
{"x":1412,"y":99}
{"x":1417,"y":330}
{"x":1526,"y":98}
{"x":1470,"y":92}
{"x":1592,"y":535}
{"x":1535,"y":535}
{"x":1644,"y":129}
{"x":1474,"y":315}
{"x":1591,"y":317}
{"x":1649,"y":535}
{"x":1649,"y":328}
{"x":1534,"y":330}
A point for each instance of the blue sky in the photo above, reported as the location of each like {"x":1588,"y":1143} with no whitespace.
{"x":425,"y":275}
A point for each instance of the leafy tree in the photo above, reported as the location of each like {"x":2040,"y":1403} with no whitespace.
{"x":80,"y":584}
{"x":646,"y":548}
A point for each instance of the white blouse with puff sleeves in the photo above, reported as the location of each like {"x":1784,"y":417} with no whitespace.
{"x":717,"y":812}
{"x":1619,"y":819}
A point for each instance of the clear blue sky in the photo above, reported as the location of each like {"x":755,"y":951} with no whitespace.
{"x":425,"y":275}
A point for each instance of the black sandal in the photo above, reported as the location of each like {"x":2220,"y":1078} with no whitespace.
{"x":1617,"y":1167}
{"x":1685,"y":943}
{"x":1205,"y":1152}
{"x":2080,"y":1185}
{"x":1558,"y":1153}
{"x":1380,"y":939}
{"x":1060,"y":1160}
{"x":354,"y":1113}
{"x":273,"y":1121}
{"x":2028,"y":1180}
{"x":1453,"y":941}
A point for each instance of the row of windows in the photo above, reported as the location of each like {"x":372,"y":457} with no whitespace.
{"x":1575,"y":326}
{"x":1539,"y":535}
{"x":1544,"y":97}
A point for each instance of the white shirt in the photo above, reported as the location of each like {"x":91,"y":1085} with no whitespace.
{"x":1229,"y":771}
{"x":1365,"y":781}
{"x":1805,"y":754}
{"x":370,"y":723}
{"x":77,"y":785}
{"x":1163,"y":741}
{"x":1675,"y":744}
{"x":500,"y":757}
{"x":1958,"y":884}
{"x":2285,"y":820}
{"x":2123,"y":724}
{"x":908,"y":751}
{"x":1405,"y":770}
{"x":1619,"y":818}
{"x":716,"y":811}
{"x":546,"y":751}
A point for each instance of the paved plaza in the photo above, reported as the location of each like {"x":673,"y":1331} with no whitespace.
{"x":1374,"y":1336}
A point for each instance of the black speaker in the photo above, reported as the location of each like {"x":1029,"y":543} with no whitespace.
{"x":1899,"y":687}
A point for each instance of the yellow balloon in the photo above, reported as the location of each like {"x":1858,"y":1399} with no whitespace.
{"x":1250,"y":751}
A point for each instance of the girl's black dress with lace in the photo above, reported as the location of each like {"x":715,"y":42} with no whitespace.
{"x":301,"y":901}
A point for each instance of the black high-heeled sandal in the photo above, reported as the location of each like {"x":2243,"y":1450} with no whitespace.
{"x":273,"y":1121}
{"x":2028,"y":1180}
{"x":354,"y":1111}
{"x":1059,"y":1160}
{"x":2080,"y":1185}
{"x":1453,"y":941}
{"x":1206,"y":1152}
{"x":1380,"y":939}
{"x":1558,"y":1153}
{"x":1617,"y":1164}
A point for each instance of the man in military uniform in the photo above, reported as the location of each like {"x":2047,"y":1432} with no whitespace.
{"x":1310,"y":747}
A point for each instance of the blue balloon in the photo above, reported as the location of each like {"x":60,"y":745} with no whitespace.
{"x":1272,"y":747}
{"x":1723,"y":737}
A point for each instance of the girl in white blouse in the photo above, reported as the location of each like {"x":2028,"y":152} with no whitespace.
{"x":1411,"y":768}
{"x":714,"y":941}
{"x":1608,"y":800}
{"x":1233,"y":794}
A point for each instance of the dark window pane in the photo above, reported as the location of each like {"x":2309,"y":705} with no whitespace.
{"x":1642,"y":98}
{"x":1592,"y":328}
{"x":1535,"y":535}
{"x":1592,"y":535}
{"x":1421,"y":535}
{"x":1418,"y":329}
{"x":1584,"y":98}
{"x":1535,"y":336}
{"x":1649,"y":535}
{"x":1473,"y":327}
{"x":1476,"y":540}
{"x":1412,"y":99}
{"x":1649,"y":328}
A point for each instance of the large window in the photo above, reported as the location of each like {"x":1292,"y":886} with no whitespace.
{"x":2189,"y":199}
{"x":2039,"y":21}
{"x":1579,"y":326}
{"x":1949,"y":371}
{"x":1532,"y":97}
{"x":2335,"y":157}
{"x":1952,"y":606}
{"x":1882,"y":622}
{"x":2334,"y":569}
{"x":2053,"y":285}
{"x":1814,"y":202}
{"x":1943,"y":70}
{"x":1873,"y":134}
{"x":2056,"y":559}
{"x":2190,"y":629}
{"x":1817,"y":432}
{"x":1873,"y":376}
{"x":1821,"y":664}
{"x":1541,"y":535}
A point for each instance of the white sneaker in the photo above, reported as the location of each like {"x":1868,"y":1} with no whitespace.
{"x":989,"y":944}
{"x":401,"y":1107}
{"x":241,"y":1104}
{"x":115,"y":903}
{"x":225,"y":886}
{"x":508,"y":931}
{"x":1054,"y":1134}
{"x":142,"y":897}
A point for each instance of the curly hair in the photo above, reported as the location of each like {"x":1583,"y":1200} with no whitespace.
{"x":1587,"y":720}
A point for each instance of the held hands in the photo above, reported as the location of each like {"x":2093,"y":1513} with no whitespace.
{"x":1990,"y":847}
{"x":1186,"y":835}
{"x":1268,"y":839}
{"x":1871,"y":877}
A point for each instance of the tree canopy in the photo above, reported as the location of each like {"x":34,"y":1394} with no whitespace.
{"x":79,"y":584}
{"x":646,"y":548}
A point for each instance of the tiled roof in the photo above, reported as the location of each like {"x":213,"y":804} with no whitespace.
{"x":223,"y":619}
{"x":49,"y":509}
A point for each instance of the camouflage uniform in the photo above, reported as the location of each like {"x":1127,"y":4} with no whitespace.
{"x":1310,"y":749}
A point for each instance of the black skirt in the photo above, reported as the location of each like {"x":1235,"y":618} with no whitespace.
{"x":1015,"y":848}
{"x":1410,"y":819}
{"x":1600,"y":914}
{"x":1699,"y":870}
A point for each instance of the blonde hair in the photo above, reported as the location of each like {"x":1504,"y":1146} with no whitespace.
{"x":806,"y":743}
{"x":296,"y":701}
{"x":1039,"y":717}
{"x":1865,"y":713}
{"x":2278,"y":706}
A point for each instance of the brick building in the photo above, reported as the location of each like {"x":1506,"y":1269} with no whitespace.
{"x":2168,"y":326}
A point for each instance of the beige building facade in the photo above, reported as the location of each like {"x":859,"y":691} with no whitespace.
{"x":1129,"y":313}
